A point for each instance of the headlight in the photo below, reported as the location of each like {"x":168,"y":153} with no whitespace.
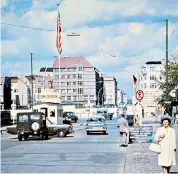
{"x":35,"y":126}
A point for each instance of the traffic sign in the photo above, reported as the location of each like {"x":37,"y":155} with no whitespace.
{"x":139,"y":95}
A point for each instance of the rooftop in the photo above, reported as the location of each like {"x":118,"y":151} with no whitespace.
{"x":71,"y":62}
{"x":153,"y":62}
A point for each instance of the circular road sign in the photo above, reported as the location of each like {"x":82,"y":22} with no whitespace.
{"x":139,"y":95}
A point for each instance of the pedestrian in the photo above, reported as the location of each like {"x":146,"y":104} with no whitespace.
{"x":124,"y":131}
{"x":175,"y":126}
{"x":166,"y":137}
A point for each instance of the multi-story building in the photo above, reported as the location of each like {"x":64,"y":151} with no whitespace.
{"x":79,"y":80}
{"x":110,"y":86}
{"x":149,"y":74}
{"x":20,"y":91}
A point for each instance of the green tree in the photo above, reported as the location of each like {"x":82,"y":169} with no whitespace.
{"x":167,"y":86}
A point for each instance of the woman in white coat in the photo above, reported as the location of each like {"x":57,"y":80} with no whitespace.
{"x":166,"y":137}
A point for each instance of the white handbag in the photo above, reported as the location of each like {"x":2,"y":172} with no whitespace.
{"x":155,"y":147}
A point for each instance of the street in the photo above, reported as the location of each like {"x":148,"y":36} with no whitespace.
{"x":77,"y":153}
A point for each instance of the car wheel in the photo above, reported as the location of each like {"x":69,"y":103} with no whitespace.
{"x":104,"y":132}
{"x":20,"y":137}
{"x":25,"y":137}
{"x":88,"y":133}
{"x":61,"y":133}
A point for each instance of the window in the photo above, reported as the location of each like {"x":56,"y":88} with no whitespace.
{"x":63,"y":77}
{"x":23,"y":118}
{"x":68,"y":83}
{"x":68,"y":97}
{"x":15,"y":90}
{"x":74,"y":97}
{"x":152,"y":85}
{"x":35,"y":117}
{"x":74,"y":83}
{"x":68,"y":90}
{"x":80,"y":68}
{"x":63,"y":97}
{"x":80,"y":91}
{"x":74,"y":90}
{"x":63,"y":91}
{"x":91,"y":95}
{"x":152,"y":69}
{"x":62,"y":83}
{"x":152,"y":77}
{"x":85,"y":95}
{"x":74,"y":76}
{"x":145,"y":85}
{"x":80,"y":83}
{"x":68,"y":76}
{"x":56,"y":77}
{"x":80,"y":76}
{"x":39,"y":90}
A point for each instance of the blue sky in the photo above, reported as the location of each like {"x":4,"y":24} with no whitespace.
{"x":129,"y":29}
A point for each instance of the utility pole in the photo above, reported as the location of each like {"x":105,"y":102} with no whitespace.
{"x":32,"y":79}
{"x":167,"y":51}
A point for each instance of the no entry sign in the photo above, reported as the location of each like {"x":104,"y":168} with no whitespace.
{"x":139,"y":95}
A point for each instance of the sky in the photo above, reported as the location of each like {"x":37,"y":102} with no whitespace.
{"x":131,"y":30}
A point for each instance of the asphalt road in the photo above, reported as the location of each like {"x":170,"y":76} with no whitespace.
{"x":77,"y":153}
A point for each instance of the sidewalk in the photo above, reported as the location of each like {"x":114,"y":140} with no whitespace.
{"x":140,"y":159}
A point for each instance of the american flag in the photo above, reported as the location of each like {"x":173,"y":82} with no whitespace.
{"x":58,"y":37}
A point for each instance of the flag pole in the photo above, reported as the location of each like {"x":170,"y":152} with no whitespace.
{"x":59,"y":50}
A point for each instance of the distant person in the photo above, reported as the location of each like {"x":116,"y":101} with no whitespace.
{"x":175,"y":126}
{"x":122,"y":123}
{"x":166,"y":137}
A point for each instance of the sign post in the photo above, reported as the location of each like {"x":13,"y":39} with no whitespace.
{"x":139,"y":97}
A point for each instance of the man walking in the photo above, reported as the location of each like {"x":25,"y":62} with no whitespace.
{"x":124,"y":131}
{"x":175,"y":126}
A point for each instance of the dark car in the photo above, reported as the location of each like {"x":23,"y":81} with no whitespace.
{"x":70,"y":115}
{"x":31,"y":123}
{"x":53,"y":129}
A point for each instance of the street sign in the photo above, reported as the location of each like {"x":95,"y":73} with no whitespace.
{"x":139,"y":95}
{"x":142,"y":134}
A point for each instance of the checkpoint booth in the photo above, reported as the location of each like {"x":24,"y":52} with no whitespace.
{"x":53,"y":111}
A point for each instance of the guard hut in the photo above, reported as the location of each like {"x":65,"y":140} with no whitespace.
{"x":53,"y":111}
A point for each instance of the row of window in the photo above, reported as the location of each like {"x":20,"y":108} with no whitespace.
{"x":152,"y":69}
{"x":145,"y":85}
{"x":152,"y":77}
{"x":80,"y":83}
{"x":69,"y":76}
{"x":79,"y":69}
{"x":80,"y":90}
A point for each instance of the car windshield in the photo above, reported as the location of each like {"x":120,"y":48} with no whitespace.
{"x":96,"y":119}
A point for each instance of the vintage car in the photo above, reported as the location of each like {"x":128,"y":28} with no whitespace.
{"x":33,"y":127}
{"x":70,"y":115}
{"x":96,"y":124}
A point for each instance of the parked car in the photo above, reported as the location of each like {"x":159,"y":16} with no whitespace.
{"x":70,"y":115}
{"x":52,"y":129}
{"x":96,"y":124}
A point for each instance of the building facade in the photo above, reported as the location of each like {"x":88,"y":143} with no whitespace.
{"x":149,"y":74}
{"x":79,"y":81}
{"x":110,"y":86}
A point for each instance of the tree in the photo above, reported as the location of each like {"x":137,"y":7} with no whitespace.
{"x":167,"y":86}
